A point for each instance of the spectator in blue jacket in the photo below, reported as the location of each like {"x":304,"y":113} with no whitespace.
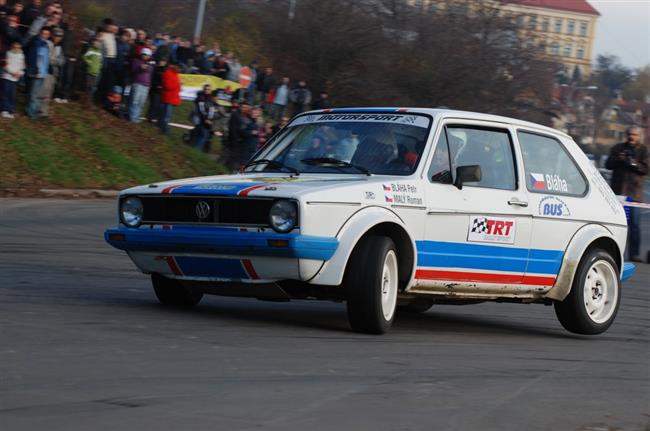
{"x":38,"y":63}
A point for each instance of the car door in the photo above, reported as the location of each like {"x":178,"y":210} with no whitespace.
{"x":476,"y":236}
{"x":557,"y":191}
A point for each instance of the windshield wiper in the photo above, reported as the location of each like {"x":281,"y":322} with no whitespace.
{"x":323,"y":161}
{"x":273,"y":163}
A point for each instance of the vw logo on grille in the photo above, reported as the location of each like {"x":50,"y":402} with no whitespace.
{"x":202,"y":210}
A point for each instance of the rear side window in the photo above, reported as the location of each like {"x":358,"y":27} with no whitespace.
{"x":548,"y":166}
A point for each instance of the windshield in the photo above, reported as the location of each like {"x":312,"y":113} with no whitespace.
{"x":384,"y":144}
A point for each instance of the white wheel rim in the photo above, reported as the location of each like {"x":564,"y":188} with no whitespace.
{"x":389,"y":285}
{"x":600,"y":291}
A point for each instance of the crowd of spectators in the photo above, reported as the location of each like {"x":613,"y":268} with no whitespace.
{"x":44,"y":51}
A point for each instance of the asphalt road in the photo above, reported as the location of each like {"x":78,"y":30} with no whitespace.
{"x":85,"y":346}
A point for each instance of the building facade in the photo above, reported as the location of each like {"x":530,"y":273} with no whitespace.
{"x":561,"y":30}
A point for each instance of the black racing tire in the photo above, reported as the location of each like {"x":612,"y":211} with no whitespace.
{"x":416,"y":306}
{"x":172,"y":293}
{"x":371,"y":282}
{"x":592,"y":304}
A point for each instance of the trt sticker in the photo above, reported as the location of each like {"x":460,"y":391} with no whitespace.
{"x":491,"y":229}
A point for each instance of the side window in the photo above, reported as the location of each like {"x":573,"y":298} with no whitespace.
{"x":491,"y":149}
{"x":440,"y":171}
{"x":548,"y":166}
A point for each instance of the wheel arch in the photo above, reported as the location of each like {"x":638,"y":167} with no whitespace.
{"x":587,"y":238}
{"x":404,"y":244}
{"x":370,"y":221}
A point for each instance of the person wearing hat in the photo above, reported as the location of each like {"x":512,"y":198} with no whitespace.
{"x":141,"y":71}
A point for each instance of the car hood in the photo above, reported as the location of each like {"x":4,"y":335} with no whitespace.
{"x":256,"y":185}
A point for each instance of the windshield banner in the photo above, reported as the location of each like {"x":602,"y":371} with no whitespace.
{"x":401,"y":119}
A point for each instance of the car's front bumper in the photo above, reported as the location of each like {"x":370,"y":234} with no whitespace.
{"x":222,"y":241}
{"x":223,"y":253}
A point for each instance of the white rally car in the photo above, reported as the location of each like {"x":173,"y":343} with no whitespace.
{"x":387,"y":209}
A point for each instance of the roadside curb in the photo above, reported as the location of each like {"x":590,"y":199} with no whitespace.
{"x":58,"y":193}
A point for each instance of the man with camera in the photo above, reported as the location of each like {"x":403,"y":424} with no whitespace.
{"x":629,"y":164}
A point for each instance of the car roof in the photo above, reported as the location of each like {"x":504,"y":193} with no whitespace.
{"x":445,"y":113}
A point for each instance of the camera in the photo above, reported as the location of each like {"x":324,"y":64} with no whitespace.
{"x":630,"y":158}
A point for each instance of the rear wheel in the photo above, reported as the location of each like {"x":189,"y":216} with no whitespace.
{"x":172,"y":293}
{"x":592,"y":303}
{"x":372,"y":281}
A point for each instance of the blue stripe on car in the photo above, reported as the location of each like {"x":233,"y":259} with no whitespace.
{"x":218,"y":188}
{"x":354,"y":110}
{"x":488,"y":257}
{"x":231,"y":242}
{"x":628,"y":271}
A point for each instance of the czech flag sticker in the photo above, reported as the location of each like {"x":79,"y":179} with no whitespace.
{"x":537,"y":181}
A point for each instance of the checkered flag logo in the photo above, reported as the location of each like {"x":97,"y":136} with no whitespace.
{"x":480,"y":225}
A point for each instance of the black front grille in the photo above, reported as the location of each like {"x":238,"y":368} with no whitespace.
{"x":206,"y":210}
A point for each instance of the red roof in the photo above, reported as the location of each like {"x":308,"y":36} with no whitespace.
{"x":581,"y":6}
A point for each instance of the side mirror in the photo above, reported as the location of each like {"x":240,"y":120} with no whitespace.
{"x":467,"y":174}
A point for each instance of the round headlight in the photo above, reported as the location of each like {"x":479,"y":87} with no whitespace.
{"x":283,"y":216}
{"x":131,"y":212}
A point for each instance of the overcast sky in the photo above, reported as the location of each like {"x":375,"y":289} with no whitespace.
{"x":623,"y":29}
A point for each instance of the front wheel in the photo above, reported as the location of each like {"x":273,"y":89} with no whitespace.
{"x":172,"y":293}
{"x":592,"y":303}
{"x":372,"y":280}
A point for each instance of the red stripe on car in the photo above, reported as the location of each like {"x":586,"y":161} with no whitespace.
{"x":246,"y":191}
{"x":248,"y":267}
{"x":480,"y":277}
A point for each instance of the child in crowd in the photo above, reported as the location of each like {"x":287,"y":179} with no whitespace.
{"x":93,"y":60}
{"x":14,"y":69}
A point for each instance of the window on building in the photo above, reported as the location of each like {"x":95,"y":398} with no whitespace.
{"x":580,"y":53}
{"x":491,"y":149}
{"x":519,"y":19}
{"x":548,"y":166}
{"x":532,"y":22}
{"x":555,"y":48}
{"x":583,"y":28}
{"x":545,"y":24}
{"x":570,"y":27}
{"x":568,"y":50}
{"x":558,"y":25}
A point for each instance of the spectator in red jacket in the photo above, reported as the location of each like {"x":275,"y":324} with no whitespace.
{"x":170,"y":96}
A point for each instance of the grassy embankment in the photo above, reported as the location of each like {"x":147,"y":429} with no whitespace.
{"x":83,"y":147}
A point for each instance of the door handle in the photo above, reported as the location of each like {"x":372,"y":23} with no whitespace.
{"x":517,"y":202}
